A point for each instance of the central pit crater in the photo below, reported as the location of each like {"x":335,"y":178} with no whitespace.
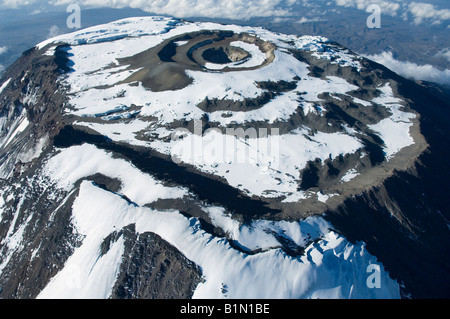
{"x":164,"y":66}
{"x":225,"y":55}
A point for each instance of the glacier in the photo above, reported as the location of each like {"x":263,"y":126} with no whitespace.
{"x":331,"y":267}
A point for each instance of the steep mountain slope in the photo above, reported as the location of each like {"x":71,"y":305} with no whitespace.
{"x":414,"y":246}
{"x":158,"y":158}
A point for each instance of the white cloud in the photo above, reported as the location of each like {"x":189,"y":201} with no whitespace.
{"x":387,"y":7}
{"x":426,"y":12}
{"x":233,"y":9}
{"x":445,"y":53}
{"x":308,"y":20}
{"x":53,"y":32}
{"x":3,"y":49}
{"x":16,"y":3}
{"x":420,"y":12}
{"x":411,"y":70}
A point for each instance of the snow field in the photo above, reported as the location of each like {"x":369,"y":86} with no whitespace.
{"x":331,"y":267}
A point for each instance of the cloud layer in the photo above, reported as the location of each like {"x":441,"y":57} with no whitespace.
{"x":411,"y":70}
{"x":233,"y":9}
{"x":53,"y":31}
{"x":425,"y":12}
{"x":418,"y":12}
{"x":387,"y":7}
{"x":16,"y":3}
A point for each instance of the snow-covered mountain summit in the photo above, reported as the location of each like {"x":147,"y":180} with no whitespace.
{"x":164,"y":75}
{"x":154,"y":157}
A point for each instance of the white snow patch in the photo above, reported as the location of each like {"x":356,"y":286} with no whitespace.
{"x":12,"y":242}
{"x":4,"y":85}
{"x":121,"y":29}
{"x":34,"y":152}
{"x":270,"y":274}
{"x":261,"y":234}
{"x":351,"y":174}
{"x":394,"y":131}
{"x":324,"y":197}
{"x":74,"y":163}
{"x":263,"y":166}
{"x":322,"y":50}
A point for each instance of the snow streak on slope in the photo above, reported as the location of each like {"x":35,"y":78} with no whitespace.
{"x":330,"y":267}
{"x":19,"y":125}
{"x":4,"y":85}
